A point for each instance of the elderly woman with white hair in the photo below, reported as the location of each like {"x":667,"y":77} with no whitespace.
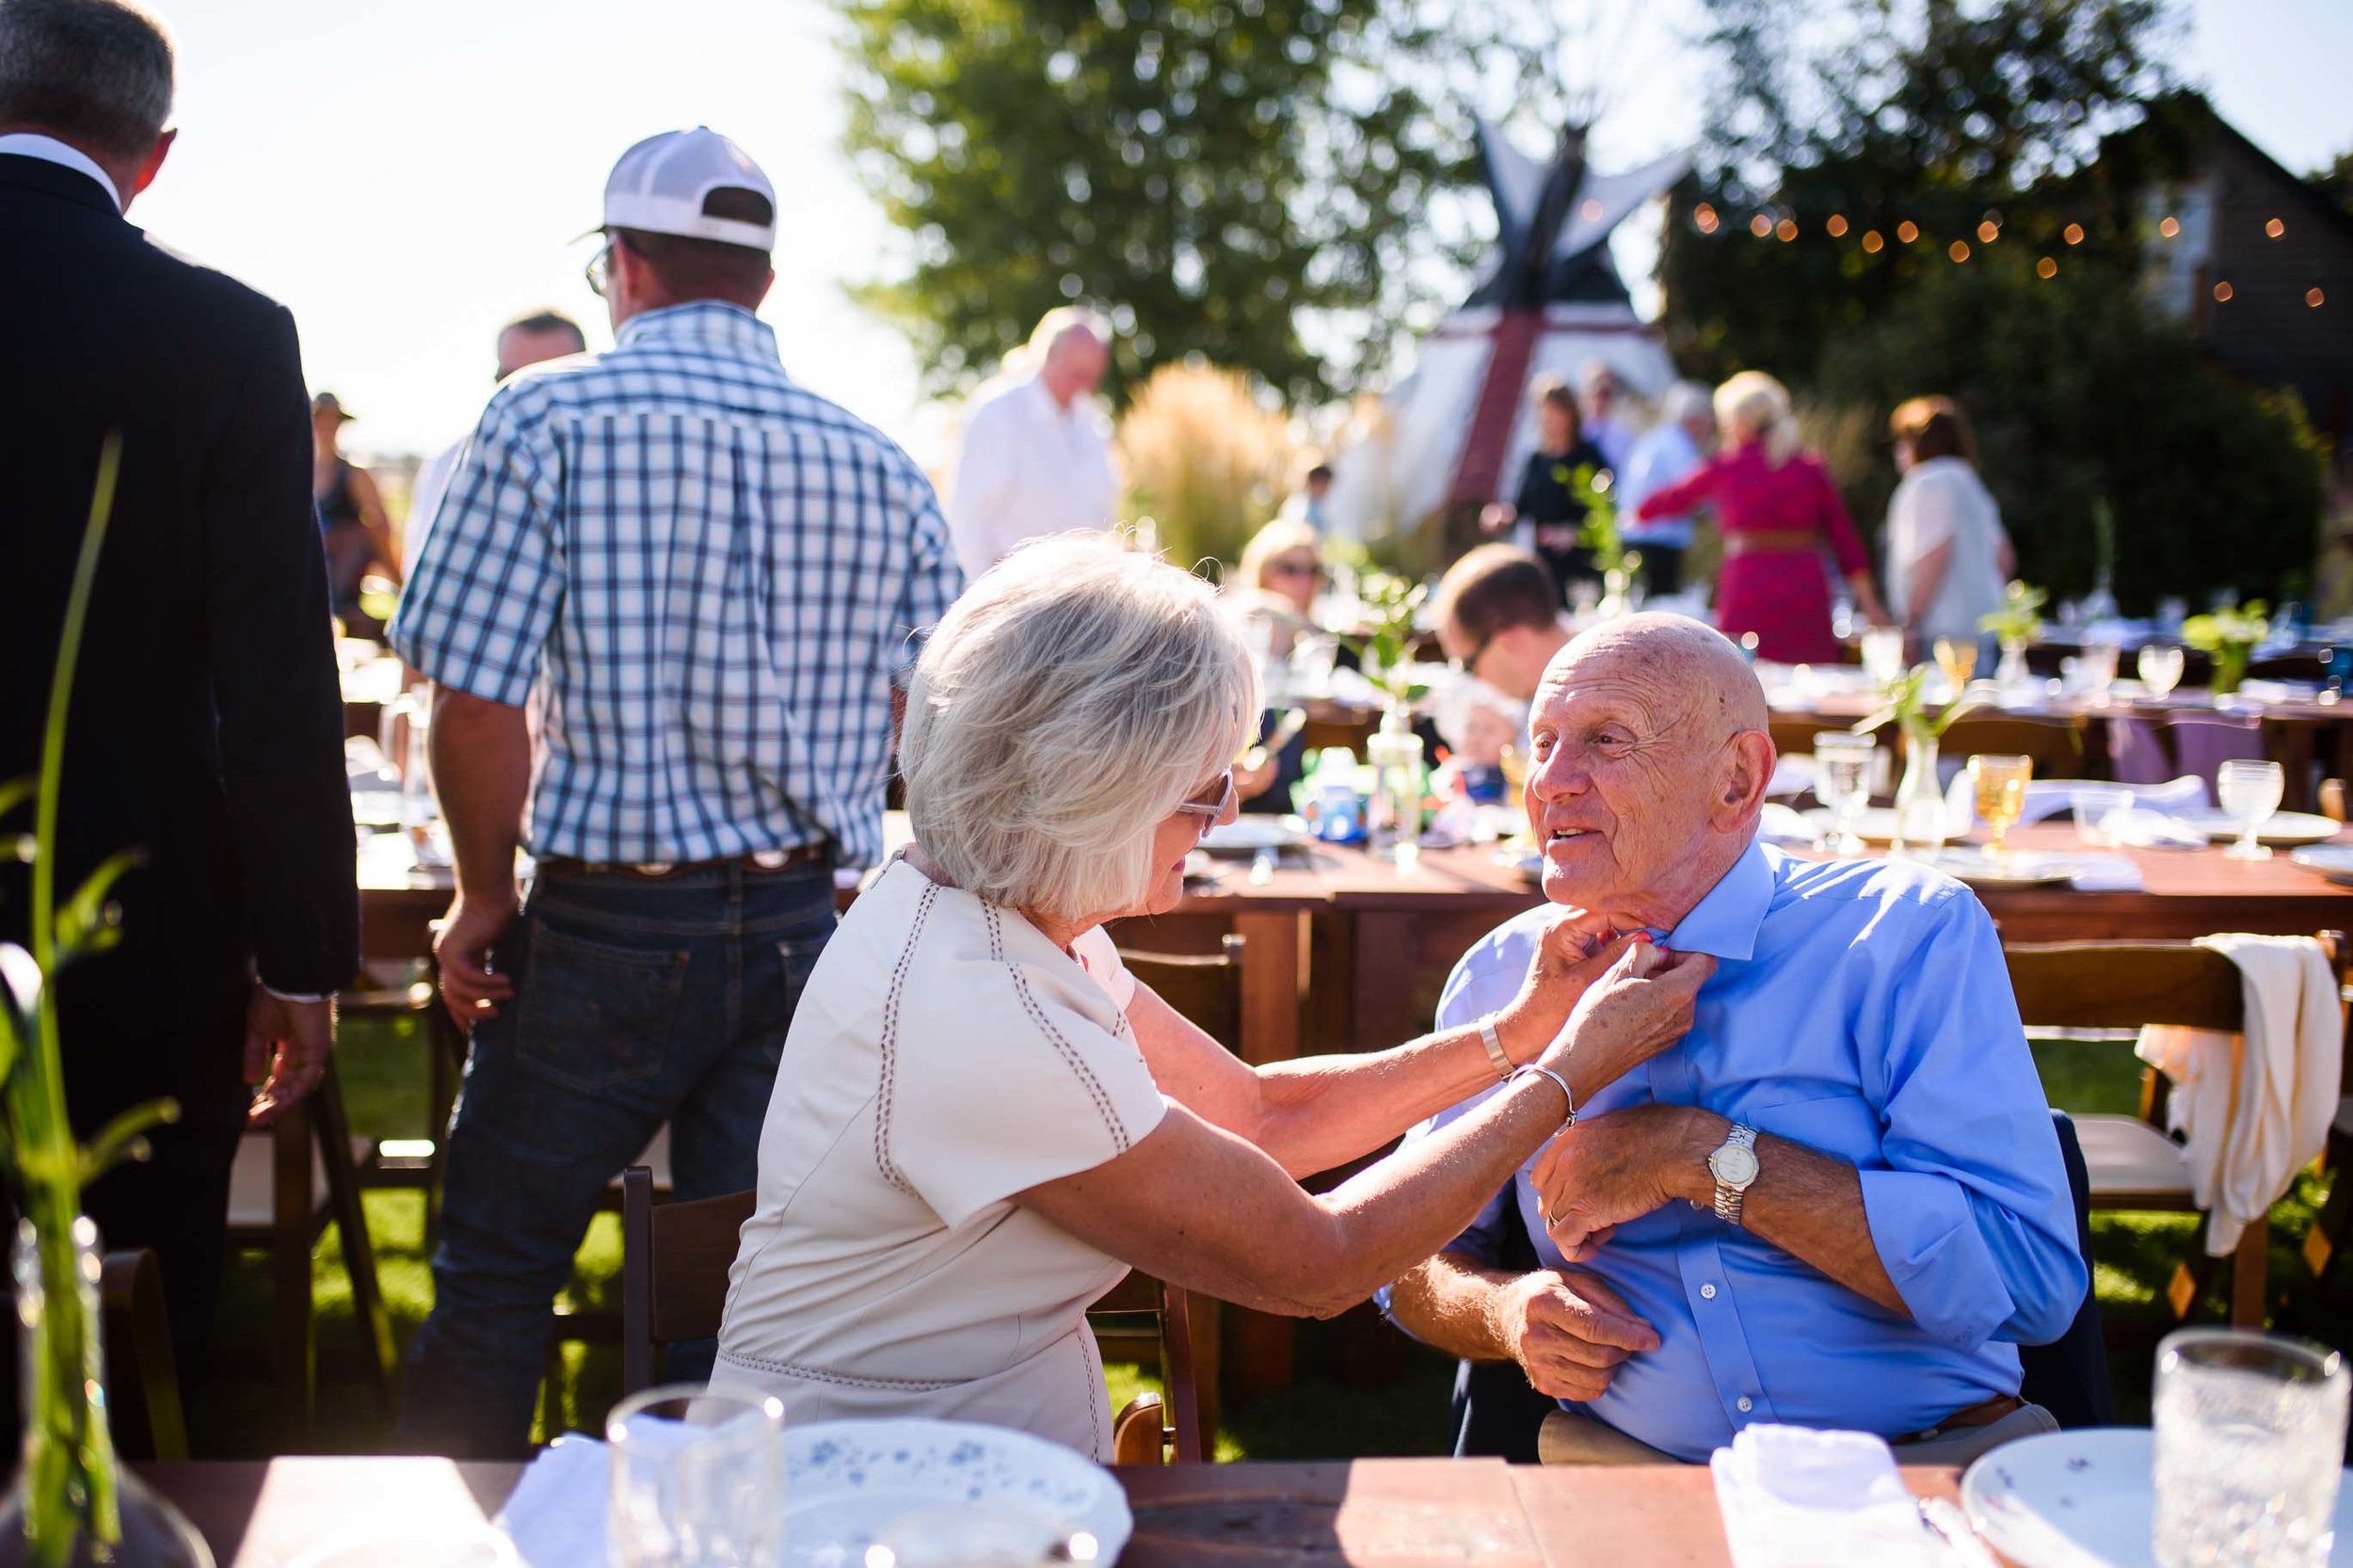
{"x":982,"y":1120}
{"x":1779,"y":513}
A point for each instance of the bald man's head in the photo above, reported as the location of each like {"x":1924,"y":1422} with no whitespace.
{"x":1651,"y":760}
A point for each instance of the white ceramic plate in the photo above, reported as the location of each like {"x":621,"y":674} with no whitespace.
{"x":2334,"y":861}
{"x":2018,"y":871}
{"x":1249,"y":833}
{"x":2083,"y":1500}
{"x":2280,"y":827}
{"x":848,"y":1482}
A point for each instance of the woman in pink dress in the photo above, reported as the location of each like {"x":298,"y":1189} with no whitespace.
{"x":1777,"y":512}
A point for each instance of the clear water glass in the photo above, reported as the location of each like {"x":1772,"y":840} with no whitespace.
{"x":2248,"y":793}
{"x":698,"y":1481}
{"x":2249,"y":1440}
{"x":1842,"y":781}
{"x":2101,"y":815}
{"x":1883,"y":654}
{"x":2160,"y":669}
{"x":2096,"y":665}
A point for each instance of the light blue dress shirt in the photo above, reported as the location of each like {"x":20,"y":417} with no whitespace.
{"x":1860,"y":1008}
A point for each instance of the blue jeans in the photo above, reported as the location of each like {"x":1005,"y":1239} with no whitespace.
{"x":636,"y":1002}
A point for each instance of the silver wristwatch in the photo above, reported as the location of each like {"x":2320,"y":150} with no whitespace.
{"x":1734,"y":1166}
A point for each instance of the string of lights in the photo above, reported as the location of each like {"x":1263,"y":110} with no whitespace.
{"x":1784,"y":228}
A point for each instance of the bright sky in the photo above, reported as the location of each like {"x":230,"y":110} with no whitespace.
{"x":407,"y":177}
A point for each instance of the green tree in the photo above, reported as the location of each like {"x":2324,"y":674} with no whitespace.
{"x":1221,"y":172}
{"x":1839,"y":133}
{"x":2336,"y":181}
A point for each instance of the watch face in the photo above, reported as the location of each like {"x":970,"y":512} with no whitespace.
{"x":1733,"y":1166}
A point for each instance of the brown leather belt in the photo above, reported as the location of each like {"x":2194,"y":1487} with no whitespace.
{"x":1772,"y":541}
{"x":1983,"y":1415}
{"x":759,"y":860}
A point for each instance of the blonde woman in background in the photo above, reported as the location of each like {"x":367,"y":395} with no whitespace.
{"x":1272,"y":597}
{"x":1948,"y":554}
{"x":1779,"y":513}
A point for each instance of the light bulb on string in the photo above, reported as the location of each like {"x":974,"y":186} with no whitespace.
{"x":1958,"y":251}
{"x":2046,"y":268}
{"x":2222,"y":293}
{"x":1906,"y":232}
{"x":1837,"y":226}
{"x":2275,"y":228}
{"x":2169,"y":226}
{"x":1871,"y":241}
{"x":2074,"y":233}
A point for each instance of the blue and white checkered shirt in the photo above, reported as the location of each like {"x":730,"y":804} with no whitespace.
{"x":706,"y":580}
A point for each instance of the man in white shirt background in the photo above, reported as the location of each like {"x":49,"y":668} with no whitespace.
{"x":1037,"y":454}
{"x":1665,"y":454}
{"x":532,"y":339}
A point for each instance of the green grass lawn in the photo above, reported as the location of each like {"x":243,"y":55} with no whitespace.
{"x":1361,"y":1389}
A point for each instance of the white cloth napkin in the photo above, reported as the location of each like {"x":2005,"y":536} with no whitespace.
{"x":2101,"y":874}
{"x":2151,"y":821}
{"x":555,"y":1516}
{"x":2255,"y":1108}
{"x":1795,"y":1498}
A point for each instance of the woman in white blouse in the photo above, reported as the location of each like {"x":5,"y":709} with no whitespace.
{"x":982,"y":1120}
{"x":1947,"y":556}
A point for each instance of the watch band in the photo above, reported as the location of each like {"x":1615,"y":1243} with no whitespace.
{"x":1497,"y":1057}
{"x":1729,"y":1199}
{"x":1566,"y":1093}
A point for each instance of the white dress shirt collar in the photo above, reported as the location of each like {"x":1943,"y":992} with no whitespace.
{"x":32,"y":144}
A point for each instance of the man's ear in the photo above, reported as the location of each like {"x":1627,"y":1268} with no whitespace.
{"x":153,"y":164}
{"x":1747,"y":768}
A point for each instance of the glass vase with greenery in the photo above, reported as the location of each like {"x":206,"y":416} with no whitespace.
{"x":2230,"y":638}
{"x":2016,"y":624}
{"x":73,"y":1502}
{"x":1919,"y":797}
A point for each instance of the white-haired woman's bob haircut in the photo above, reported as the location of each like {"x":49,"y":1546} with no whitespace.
{"x":1066,"y":705}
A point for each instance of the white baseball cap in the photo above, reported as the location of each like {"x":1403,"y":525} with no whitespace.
{"x":661,"y":184}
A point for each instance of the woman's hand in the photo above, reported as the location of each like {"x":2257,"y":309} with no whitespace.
{"x":1575,"y":950}
{"x":1497,"y":516}
{"x":1640,"y":1005}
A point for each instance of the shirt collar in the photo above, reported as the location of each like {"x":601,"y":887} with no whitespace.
{"x":32,"y":144}
{"x":710,"y":323}
{"x":1724,"y":924}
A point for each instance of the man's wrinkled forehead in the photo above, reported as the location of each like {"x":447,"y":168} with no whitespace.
{"x":1655,"y":679}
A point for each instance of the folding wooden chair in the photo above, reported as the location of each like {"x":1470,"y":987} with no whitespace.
{"x":142,"y":1382}
{"x":2112,"y":987}
{"x":1205,"y":987}
{"x":289,"y":1183}
{"x":675,"y":1259}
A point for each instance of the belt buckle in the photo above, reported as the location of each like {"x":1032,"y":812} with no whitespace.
{"x":771,"y":859}
{"x":655,"y":867}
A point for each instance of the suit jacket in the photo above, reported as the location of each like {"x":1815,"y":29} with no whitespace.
{"x":205,"y":725}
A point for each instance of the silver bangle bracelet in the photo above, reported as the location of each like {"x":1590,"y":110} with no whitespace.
{"x":1566,"y":1093}
{"x":1498,"y":1057}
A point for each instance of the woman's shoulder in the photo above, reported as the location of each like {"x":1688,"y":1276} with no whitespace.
{"x":958,"y":966}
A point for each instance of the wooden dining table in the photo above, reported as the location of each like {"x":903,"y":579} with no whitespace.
{"x":1354,"y":1513}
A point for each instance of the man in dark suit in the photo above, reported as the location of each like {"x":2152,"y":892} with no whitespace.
{"x":205,"y":726}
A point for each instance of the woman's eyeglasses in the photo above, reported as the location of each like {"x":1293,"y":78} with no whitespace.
{"x":1210,"y":802}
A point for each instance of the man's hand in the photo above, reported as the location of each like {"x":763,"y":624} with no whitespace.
{"x":285,"y":1050}
{"x":470,"y":991}
{"x":1609,"y":1169}
{"x":1497,"y":516}
{"x":1570,"y":1332}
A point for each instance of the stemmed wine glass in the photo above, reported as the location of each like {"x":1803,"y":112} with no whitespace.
{"x":2250,"y":793}
{"x":2001,"y":785}
{"x":1842,"y":780}
{"x":2160,"y":669}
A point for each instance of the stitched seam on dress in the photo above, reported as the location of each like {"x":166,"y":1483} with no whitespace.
{"x":882,"y":1162}
{"x":1088,"y":1350}
{"x":815,"y":1374}
{"x":1070,"y":1056}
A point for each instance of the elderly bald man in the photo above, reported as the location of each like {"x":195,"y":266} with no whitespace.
{"x":1037,"y":455}
{"x":1839,"y":1201}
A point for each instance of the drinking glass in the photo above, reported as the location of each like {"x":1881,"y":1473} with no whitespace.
{"x":2097,"y":667}
{"x":1957,"y":658}
{"x":2250,"y":793}
{"x":1883,"y":654}
{"x":2101,"y":813}
{"x":2160,"y":669}
{"x":2001,"y":786}
{"x":1842,"y":780}
{"x":697,"y":1479}
{"x":2250,"y":1434}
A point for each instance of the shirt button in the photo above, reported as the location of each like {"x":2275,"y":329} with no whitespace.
{"x":1707,"y":1292}
{"x":1744,"y":1404}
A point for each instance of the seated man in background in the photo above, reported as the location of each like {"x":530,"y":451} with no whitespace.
{"x":1838,"y":1202}
{"x":1497,"y":612}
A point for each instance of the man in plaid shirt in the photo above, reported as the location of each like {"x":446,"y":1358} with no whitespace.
{"x":704,"y":581}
